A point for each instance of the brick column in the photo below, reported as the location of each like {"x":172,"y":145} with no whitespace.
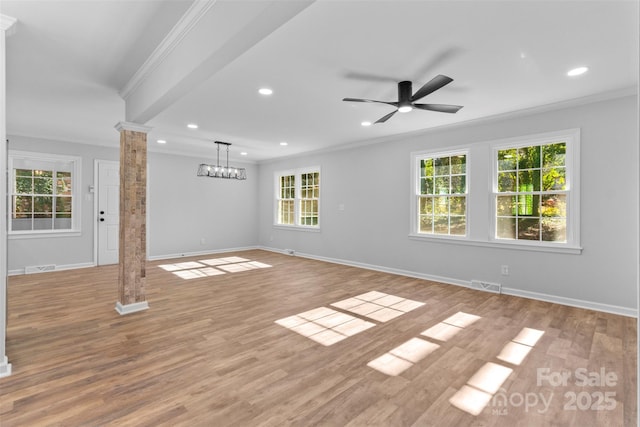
{"x":133,"y":210}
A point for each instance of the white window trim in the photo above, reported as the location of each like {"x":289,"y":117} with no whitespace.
{"x":416,"y":156}
{"x":296,"y":211}
{"x":572,"y":138}
{"x":75,"y":192}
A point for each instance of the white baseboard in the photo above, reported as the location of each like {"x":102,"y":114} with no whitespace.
{"x":20,"y":271}
{"x":200,"y":253}
{"x":607,"y":308}
{"x":123,"y":309}
{"x":5,"y":367}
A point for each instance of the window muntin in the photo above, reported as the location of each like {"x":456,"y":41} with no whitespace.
{"x":298,"y":198}
{"x":532,"y":193}
{"x":442,"y":194}
{"x":42,"y":193}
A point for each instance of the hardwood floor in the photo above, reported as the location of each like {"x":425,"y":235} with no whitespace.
{"x":209,"y":353}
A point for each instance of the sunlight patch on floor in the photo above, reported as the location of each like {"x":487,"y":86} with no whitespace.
{"x":487,"y":381}
{"x":449,"y":327}
{"x":403,"y":357}
{"x":212,"y":267}
{"x":516,"y":351}
{"x":324,"y":325}
{"x":378,"y":305}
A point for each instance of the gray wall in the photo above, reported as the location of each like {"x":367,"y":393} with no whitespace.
{"x":182,"y":209}
{"x":373,"y":183}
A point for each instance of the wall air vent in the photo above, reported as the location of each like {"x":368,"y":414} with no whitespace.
{"x":486,"y":286}
{"x":39,"y":268}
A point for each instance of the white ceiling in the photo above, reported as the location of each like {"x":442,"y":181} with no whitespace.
{"x":68,"y":61}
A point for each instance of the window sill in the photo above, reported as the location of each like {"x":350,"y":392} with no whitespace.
{"x":43,"y":234}
{"x":520,"y":246}
{"x":297,"y":228}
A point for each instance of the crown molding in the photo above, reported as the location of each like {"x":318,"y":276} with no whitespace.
{"x":7,"y":24}
{"x":190,"y":18}
{"x":134,"y":127}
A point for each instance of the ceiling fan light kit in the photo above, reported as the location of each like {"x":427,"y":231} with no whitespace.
{"x":219,"y":171}
{"x":406,"y":101}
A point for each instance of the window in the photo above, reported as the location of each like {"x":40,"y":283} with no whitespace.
{"x":535,"y":191}
{"x":441,"y":194}
{"x":43,"y":193}
{"x":298,"y":198}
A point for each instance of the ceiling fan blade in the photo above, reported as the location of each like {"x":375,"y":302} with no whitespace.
{"x":387,"y":117}
{"x":442,"y":108}
{"x":431,"y":86}
{"x":395,"y":104}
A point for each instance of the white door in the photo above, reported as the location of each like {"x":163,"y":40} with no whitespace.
{"x":108,"y":211}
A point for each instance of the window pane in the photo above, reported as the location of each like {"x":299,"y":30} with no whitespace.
{"x":457,"y":205}
{"x":554,"y":205}
{"x":42,"y":204}
{"x":506,"y":205}
{"x":441,"y":224}
{"x":42,"y":185}
{"x":442,"y":185}
{"x":426,"y":205}
{"x":63,"y":183}
{"x":458,"y":184}
{"x":63,"y":205}
{"x":554,"y":229}
{"x":528,"y":205}
{"x":24,"y":185}
{"x":426,"y":167}
{"x":441,"y":205}
{"x":554,"y":179}
{"x":62,"y":223}
{"x":42,"y":223}
{"x":21,"y":224}
{"x":554,"y":154}
{"x":529,"y":157}
{"x":458,"y":226}
{"x":506,"y":228}
{"x":459,"y":164}
{"x":426,"y":224}
{"x":506,"y":182}
{"x":426,"y":185}
{"x":441,"y":166}
{"x":528,"y":229}
{"x":22,"y":204}
{"x":24,"y":172}
{"x":529,"y":180}
{"x":507,"y":159}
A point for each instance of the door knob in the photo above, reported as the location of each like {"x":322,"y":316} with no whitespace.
{"x":101,"y":212}
{"x":101,"y":219}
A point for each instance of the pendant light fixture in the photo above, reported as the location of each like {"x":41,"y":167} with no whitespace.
{"x":219,"y":171}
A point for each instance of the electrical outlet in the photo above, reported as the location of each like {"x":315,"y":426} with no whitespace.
{"x":202,"y":241}
{"x":504,"y":270}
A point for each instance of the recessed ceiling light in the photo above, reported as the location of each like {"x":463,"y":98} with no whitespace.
{"x":366,"y":123}
{"x":284,"y":143}
{"x":577,"y":71}
{"x":244,"y":153}
{"x":192,"y":126}
{"x":161,"y":141}
{"x":265,"y":91}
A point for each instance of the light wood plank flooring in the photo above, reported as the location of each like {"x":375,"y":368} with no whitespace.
{"x":209,"y":353}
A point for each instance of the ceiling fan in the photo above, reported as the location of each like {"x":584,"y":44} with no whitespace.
{"x":406,"y":101}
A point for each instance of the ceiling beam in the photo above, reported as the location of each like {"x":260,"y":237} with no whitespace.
{"x":209,"y":36}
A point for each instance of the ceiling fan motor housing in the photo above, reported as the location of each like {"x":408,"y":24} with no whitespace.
{"x":404,"y":93}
